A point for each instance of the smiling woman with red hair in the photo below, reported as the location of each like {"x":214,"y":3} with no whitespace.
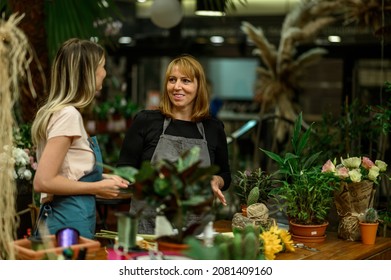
{"x":181,"y":122}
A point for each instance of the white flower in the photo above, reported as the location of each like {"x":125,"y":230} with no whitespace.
{"x":22,"y":162}
{"x":355,"y":175}
{"x":352,"y":162}
{"x":381,"y":164}
{"x":373,"y":173}
{"x":20,"y":156}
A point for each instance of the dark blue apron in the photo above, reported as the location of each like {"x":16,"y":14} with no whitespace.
{"x":77,"y":211}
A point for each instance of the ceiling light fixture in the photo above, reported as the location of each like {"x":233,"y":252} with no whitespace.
{"x":210,"y":8}
{"x":217,"y":40}
{"x":334,"y":39}
{"x":125,"y":40}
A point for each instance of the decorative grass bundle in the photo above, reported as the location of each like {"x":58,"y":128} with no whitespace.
{"x":15,"y":57}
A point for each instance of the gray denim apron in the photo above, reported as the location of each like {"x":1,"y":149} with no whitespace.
{"x":77,"y":211}
{"x":170,"y":147}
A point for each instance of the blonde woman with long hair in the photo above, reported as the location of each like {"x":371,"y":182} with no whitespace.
{"x":69,"y":174}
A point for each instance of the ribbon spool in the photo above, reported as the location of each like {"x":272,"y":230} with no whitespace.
{"x":67,"y":237}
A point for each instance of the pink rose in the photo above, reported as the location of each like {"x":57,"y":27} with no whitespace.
{"x":342,"y":172}
{"x":367,"y":163}
{"x":328,"y":167}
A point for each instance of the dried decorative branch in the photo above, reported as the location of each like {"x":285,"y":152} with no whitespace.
{"x":367,"y":12}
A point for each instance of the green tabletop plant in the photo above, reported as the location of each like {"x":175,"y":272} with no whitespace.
{"x":304,"y":193}
{"x":252,"y":186}
{"x":179,"y":189}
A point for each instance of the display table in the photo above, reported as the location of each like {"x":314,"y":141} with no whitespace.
{"x":337,"y":249}
{"x":332,"y":249}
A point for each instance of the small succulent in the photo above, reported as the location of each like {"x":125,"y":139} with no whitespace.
{"x":370,"y":216}
{"x":253,"y":196}
{"x":243,"y":245}
{"x":252,"y":186}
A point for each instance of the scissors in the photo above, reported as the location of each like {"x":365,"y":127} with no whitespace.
{"x":303,"y":246}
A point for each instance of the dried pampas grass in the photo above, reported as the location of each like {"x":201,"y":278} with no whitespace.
{"x":279,"y":76}
{"x":15,"y":57}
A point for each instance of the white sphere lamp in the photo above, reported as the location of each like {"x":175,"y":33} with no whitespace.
{"x":166,"y":13}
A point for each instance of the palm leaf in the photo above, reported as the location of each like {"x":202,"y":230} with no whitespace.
{"x":74,"y":18}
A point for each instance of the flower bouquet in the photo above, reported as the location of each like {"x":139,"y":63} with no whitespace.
{"x":357,"y":178}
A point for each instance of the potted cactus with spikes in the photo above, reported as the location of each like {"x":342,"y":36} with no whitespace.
{"x":369,"y":222}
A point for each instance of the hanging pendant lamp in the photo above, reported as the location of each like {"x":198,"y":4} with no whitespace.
{"x":166,"y":13}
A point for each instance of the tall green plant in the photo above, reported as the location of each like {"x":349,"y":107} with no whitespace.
{"x":305,"y":193}
{"x":292,"y":164}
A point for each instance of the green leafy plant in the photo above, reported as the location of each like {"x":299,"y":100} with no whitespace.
{"x":252,"y":186}
{"x":102,"y":110}
{"x":179,"y":189}
{"x":308,"y":199}
{"x":292,"y":164}
{"x":304,"y":192}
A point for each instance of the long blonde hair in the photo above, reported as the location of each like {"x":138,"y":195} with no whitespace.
{"x":73,"y":81}
{"x":189,"y":66}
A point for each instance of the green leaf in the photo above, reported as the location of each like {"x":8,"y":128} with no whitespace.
{"x":273,"y":156}
{"x":127,"y":172}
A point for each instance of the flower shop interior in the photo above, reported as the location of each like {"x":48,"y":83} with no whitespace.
{"x":302,"y":87}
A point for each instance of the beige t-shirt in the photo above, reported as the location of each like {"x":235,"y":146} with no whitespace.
{"x":80,"y":158}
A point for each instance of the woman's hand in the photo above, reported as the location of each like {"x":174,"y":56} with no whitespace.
{"x":112,"y":185}
{"x":217,"y":183}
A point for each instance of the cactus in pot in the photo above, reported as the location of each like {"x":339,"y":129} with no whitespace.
{"x":369,"y":223}
{"x":370,"y":216}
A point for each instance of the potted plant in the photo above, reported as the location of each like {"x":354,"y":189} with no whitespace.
{"x":304,"y":193}
{"x":252,"y":186}
{"x":357,"y":178}
{"x":369,"y":222}
{"x":180,"y":189}
{"x":102,"y":111}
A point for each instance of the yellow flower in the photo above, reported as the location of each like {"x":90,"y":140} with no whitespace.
{"x":286,"y":239}
{"x":272,"y":244}
{"x":275,"y":230}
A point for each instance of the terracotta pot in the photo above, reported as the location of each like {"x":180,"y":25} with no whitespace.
{"x":368,"y":232}
{"x":244,"y":209}
{"x":308,"y":233}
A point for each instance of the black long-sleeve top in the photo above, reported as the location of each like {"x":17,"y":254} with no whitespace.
{"x":143,"y":135}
